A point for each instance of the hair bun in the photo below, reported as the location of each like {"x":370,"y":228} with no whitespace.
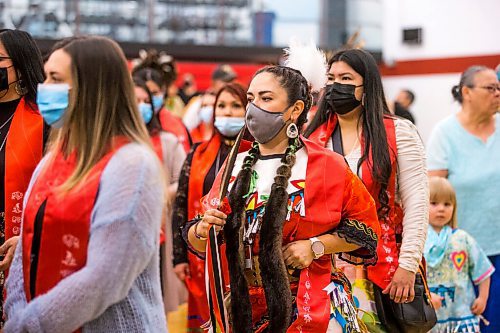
{"x":457,"y":95}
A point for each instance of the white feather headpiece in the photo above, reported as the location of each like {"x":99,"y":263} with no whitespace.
{"x":309,"y":60}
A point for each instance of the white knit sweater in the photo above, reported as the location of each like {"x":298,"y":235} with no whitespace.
{"x":118,"y":290}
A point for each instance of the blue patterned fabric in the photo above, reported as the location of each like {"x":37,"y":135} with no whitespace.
{"x":464,"y":264}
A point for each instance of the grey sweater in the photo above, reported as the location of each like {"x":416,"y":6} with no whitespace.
{"x":118,"y":290}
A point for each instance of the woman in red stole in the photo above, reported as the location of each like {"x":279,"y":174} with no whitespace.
{"x":21,"y":135}
{"x":198,"y":173}
{"x":88,"y":259}
{"x":387,"y":154}
{"x":293,"y":205}
{"x":171,"y":154}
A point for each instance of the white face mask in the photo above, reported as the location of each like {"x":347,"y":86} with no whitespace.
{"x":206,"y":113}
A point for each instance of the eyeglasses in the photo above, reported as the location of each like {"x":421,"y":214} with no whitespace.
{"x":491,"y":89}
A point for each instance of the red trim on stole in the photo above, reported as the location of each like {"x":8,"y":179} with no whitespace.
{"x":23,"y":151}
{"x":66,"y":221}
{"x":323,"y":195}
{"x":323,"y":199}
{"x":381,"y":274}
{"x":203,"y":158}
{"x":174,"y":125}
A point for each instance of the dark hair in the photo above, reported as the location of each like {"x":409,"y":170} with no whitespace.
{"x":27,"y":60}
{"x":410,"y":94}
{"x":375,"y":107}
{"x":159,"y":61}
{"x":154,"y":125}
{"x":224,"y":73}
{"x":296,"y":86}
{"x":150,"y":74}
{"x":234,"y":89}
{"x":273,"y":270}
{"x":466,"y":80}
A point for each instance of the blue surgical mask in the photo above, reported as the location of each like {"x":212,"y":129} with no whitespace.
{"x":229,"y":126}
{"x":146,"y":111}
{"x":157,"y":102}
{"x":53,"y":100}
{"x":207,"y":113}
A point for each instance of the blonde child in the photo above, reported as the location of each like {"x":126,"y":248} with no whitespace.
{"x":454,"y":263}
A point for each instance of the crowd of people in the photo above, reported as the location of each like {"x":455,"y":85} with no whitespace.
{"x":124,"y":196}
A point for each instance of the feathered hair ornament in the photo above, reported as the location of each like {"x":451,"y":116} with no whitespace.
{"x":309,"y":60}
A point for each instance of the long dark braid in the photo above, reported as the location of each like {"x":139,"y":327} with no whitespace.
{"x":272,"y":264}
{"x":273,"y":270}
{"x":233,"y":234}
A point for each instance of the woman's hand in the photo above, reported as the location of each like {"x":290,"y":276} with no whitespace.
{"x":7,"y":250}
{"x":198,"y":232}
{"x":299,"y":254}
{"x":211,"y":217}
{"x":182,"y":271}
{"x":402,"y":287}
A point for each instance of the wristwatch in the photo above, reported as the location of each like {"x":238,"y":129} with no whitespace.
{"x":317,"y":247}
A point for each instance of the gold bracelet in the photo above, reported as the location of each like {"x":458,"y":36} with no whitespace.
{"x":196,"y":232}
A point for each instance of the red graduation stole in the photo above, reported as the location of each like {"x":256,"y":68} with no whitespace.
{"x":66,"y":221}
{"x":387,"y":248}
{"x":23,"y":151}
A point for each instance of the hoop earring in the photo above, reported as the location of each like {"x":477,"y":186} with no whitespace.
{"x":20,"y":89}
{"x":292,"y":131}
{"x":363,"y":99}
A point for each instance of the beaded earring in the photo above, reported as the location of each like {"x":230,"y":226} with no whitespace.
{"x":292,"y":131}
{"x":20,"y":88}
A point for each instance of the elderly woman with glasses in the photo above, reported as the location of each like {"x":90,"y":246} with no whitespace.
{"x":465,"y":148}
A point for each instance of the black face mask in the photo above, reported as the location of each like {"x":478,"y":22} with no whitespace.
{"x":341,"y":98}
{"x":4,"y":78}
